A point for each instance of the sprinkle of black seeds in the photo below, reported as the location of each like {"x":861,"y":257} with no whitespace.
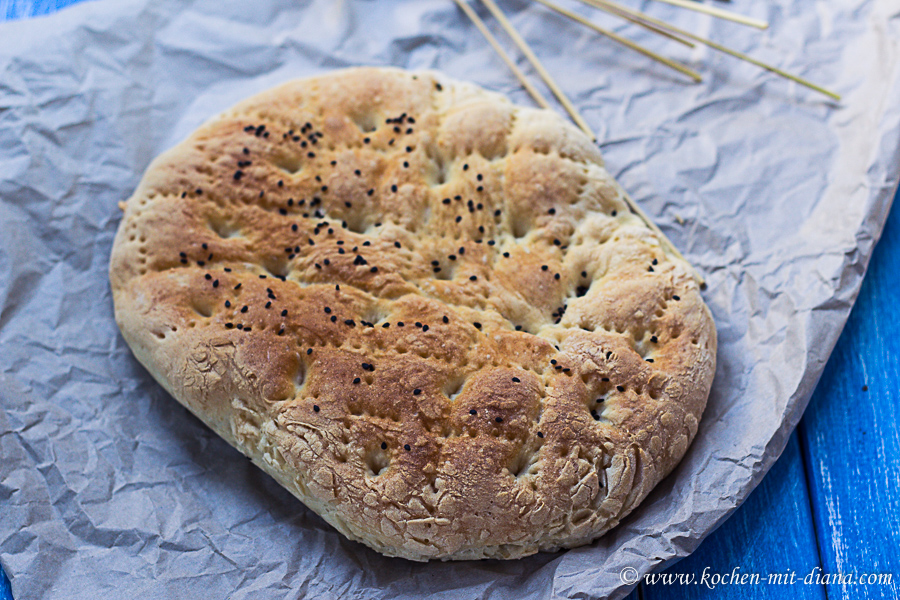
{"x":238,"y":174}
{"x":350,"y":323}
{"x":654,"y":339}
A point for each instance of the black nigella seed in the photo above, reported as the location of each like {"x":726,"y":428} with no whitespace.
{"x":556,"y":276}
{"x":458,"y":219}
{"x":228,"y":304}
{"x":229,"y":325}
{"x":400,"y":323}
{"x":367,"y":140}
{"x":238,"y":286}
{"x":216,"y":283}
{"x":350,"y":323}
{"x":207,"y":276}
{"x":394,"y":188}
{"x":621,"y":388}
{"x":284,"y":313}
{"x":516,"y":380}
{"x":466,"y":167}
{"x":655,"y":262}
{"x":356,"y":380}
{"x":308,"y":351}
{"x":676,"y":298}
{"x":424,"y":328}
{"x":446,"y":320}
{"x":499,"y":419}
{"x":386,"y":325}
{"x":327,"y":310}
{"x":316,"y":407}
{"x":506,"y":255}
{"x":614,"y":213}
{"x":407,"y":447}
{"x":244,"y":309}
{"x":654,"y":339}
{"x":473,"y":278}
{"x":477,"y":325}
{"x":416,"y":392}
{"x":333,"y":319}
{"x":473,"y":412}
{"x":480,"y":177}
{"x":552,"y":211}
{"x":370,"y":192}
{"x":373,"y":270}
{"x":540,"y":434}
{"x":544,"y":267}
{"x":595,"y":415}
{"x":383,"y":445}
{"x":238,"y":174}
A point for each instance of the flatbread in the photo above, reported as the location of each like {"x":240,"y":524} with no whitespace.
{"x":427,"y":312}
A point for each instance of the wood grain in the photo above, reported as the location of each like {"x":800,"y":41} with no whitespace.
{"x":849,"y":439}
{"x":771,"y":533}
{"x":850,"y":435}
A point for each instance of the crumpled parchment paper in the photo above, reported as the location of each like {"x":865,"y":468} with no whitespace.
{"x":110,"y":489}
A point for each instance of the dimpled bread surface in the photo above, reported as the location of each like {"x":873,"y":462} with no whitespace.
{"x":425,"y":311}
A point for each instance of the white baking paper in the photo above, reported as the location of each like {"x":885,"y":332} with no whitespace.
{"x":109,"y":489}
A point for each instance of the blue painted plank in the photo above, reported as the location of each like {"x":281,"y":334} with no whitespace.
{"x":21,"y":9}
{"x":770,"y":534}
{"x":5,"y":591}
{"x":850,"y":434}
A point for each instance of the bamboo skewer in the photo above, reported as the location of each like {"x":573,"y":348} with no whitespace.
{"x":526,"y":50}
{"x":619,"y":10}
{"x":473,"y":16}
{"x":625,"y":42}
{"x":718,"y":13}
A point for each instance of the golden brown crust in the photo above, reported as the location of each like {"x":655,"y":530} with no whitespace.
{"x":553,"y":361}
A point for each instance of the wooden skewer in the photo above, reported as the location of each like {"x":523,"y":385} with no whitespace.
{"x":718,"y":13}
{"x":538,"y":97}
{"x":619,"y":10}
{"x":625,"y":42}
{"x":523,"y":46}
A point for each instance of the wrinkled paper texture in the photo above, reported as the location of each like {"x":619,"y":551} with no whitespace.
{"x":110,"y":489}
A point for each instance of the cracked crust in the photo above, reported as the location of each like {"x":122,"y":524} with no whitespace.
{"x":554,"y":359}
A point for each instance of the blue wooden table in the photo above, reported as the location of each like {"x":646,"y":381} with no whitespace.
{"x":830,"y":506}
